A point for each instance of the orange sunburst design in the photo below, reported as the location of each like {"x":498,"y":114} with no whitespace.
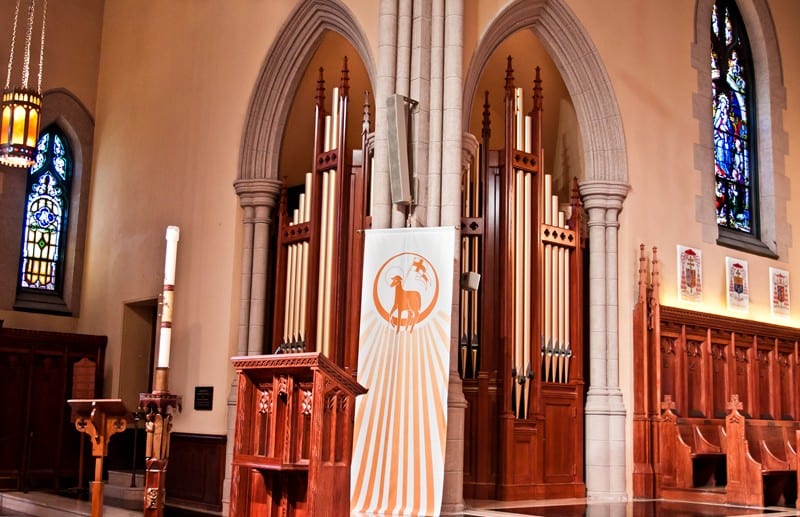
{"x":401,"y":423}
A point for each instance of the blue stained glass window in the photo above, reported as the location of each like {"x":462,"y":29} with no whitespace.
{"x":45,"y":219}
{"x":732,"y":100}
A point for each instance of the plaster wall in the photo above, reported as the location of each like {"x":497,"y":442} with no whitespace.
{"x":173,"y":91}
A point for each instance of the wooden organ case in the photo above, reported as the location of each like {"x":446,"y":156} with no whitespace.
{"x":521,"y":333}
{"x":295,"y":407}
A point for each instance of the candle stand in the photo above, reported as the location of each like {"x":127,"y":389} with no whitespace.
{"x":157,"y":409}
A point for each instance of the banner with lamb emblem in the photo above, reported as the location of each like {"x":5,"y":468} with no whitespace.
{"x":404,"y":362}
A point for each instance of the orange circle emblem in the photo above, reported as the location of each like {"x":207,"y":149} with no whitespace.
{"x":405,"y":290}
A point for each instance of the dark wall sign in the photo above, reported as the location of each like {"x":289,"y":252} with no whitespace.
{"x":203,"y":398}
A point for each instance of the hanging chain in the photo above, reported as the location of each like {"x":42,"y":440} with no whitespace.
{"x":13,"y":43}
{"x":26,"y":64}
{"x":41,"y":49}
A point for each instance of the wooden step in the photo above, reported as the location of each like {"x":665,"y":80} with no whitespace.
{"x":715,"y":494}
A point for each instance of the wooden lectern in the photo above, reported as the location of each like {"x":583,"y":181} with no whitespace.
{"x":294,"y":434}
{"x":100,"y":419}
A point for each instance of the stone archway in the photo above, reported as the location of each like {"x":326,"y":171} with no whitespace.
{"x":603,"y":191}
{"x":257,"y":183}
{"x":281,"y":73}
{"x":583,"y":72}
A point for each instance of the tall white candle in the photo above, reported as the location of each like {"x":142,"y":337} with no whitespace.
{"x":173,"y":234}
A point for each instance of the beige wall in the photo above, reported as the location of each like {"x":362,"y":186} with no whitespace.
{"x":170,"y":102}
{"x":173,"y":94}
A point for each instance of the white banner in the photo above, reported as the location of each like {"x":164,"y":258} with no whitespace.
{"x":404,"y":361}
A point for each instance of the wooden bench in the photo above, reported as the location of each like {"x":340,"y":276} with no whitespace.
{"x":692,"y":451}
{"x":761,"y":460}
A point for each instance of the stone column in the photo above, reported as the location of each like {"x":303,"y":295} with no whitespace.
{"x":605,"y":410}
{"x":257,"y":197}
{"x":452,"y":143}
{"x":384,"y":87}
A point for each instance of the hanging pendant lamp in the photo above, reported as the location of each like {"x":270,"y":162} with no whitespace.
{"x":21,"y":105}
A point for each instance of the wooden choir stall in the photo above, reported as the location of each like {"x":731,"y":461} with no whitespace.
{"x":295,"y":407}
{"x":716,"y":410}
{"x":521,"y":332}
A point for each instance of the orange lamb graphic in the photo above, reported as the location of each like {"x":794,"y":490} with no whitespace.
{"x":409,"y":284}
{"x":405,"y":301}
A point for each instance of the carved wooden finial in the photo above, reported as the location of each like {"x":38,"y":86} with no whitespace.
{"x":486,"y":129}
{"x":537,"y":93}
{"x":344,"y":84}
{"x":642,"y":275}
{"x":320,"y":98}
{"x":735,"y":403}
{"x":656,"y":274}
{"x":668,"y":403}
{"x":365,"y":114}
{"x":509,"y":79}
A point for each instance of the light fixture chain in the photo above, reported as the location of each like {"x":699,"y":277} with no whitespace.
{"x":26,"y":65}
{"x":41,"y":49}
{"x":13,"y":44}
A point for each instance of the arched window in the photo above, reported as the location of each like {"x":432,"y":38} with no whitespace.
{"x":732,"y":88}
{"x":45,"y":221}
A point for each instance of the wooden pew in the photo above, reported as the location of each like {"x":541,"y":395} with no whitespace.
{"x":761,"y":459}
{"x":692,"y":451}
{"x":700,"y":359}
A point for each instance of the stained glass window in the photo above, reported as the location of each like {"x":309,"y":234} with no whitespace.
{"x":45,"y":218}
{"x":733,"y":115}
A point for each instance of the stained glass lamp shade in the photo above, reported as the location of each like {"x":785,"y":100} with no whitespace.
{"x":20,"y":127}
{"x":21,"y":105}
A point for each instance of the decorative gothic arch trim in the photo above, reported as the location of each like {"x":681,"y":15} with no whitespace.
{"x":772,"y":140}
{"x":281,"y":73}
{"x":582,"y":70}
{"x":63,"y":108}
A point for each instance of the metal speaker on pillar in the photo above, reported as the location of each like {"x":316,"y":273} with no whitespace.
{"x":399,"y":171}
{"x":470,"y":280}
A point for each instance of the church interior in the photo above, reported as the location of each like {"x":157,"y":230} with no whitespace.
{"x":185,"y":222}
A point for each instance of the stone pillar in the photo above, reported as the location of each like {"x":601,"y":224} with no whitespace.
{"x":605,"y":410}
{"x":247,"y":268}
{"x":452,"y":142}
{"x":384,"y":87}
{"x":257,"y":197}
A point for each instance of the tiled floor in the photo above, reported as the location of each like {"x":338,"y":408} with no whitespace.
{"x":40,"y":504}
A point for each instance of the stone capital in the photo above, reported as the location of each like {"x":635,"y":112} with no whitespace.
{"x":603,"y":194}
{"x":258,"y":192}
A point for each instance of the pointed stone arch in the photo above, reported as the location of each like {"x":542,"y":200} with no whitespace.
{"x":282,"y":71}
{"x":603,"y":191}
{"x":583,"y":72}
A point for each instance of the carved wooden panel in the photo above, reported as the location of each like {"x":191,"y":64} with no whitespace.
{"x":695,"y":377}
{"x":741,"y":385}
{"x":36,"y":375}
{"x":719,"y":378}
{"x":764,"y":386}
{"x":560,"y":436}
{"x":196,"y":470}
{"x":669,"y":364}
{"x":14,"y":369}
{"x":786,"y":383}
